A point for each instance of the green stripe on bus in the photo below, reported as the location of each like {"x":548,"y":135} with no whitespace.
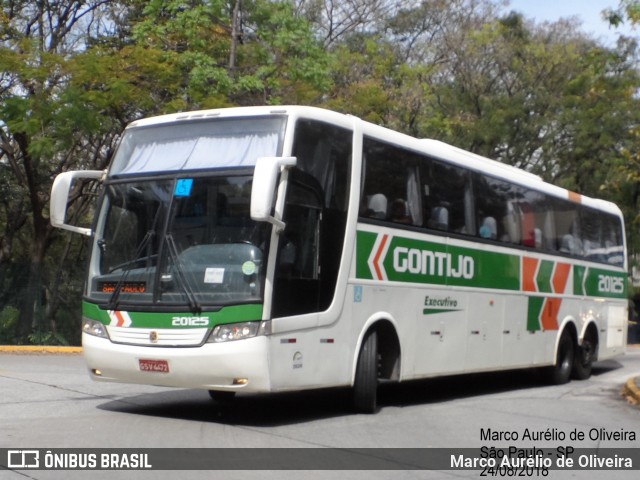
{"x":230,"y":314}
{"x":365,"y":243}
{"x":543,"y":279}
{"x":417,"y":261}
{"x":599,"y":282}
{"x":605,"y":283}
{"x":534,"y":311}
{"x":431,"y":311}
{"x":383,"y":256}
{"x":578,"y":280}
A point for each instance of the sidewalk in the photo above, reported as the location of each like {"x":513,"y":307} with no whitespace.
{"x":631,"y":390}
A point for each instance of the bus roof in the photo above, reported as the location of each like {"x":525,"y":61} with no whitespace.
{"x":435,"y":148}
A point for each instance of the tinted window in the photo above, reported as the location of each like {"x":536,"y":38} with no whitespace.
{"x":391,"y":184}
{"x":310,"y":248}
{"x":405,"y":187}
{"x":448,"y":198}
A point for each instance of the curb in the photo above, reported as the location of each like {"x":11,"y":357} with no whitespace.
{"x":631,"y":390}
{"x":39,"y":349}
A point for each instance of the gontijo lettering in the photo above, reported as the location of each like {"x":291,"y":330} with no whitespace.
{"x":427,"y":262}
{"x":382,"y":256}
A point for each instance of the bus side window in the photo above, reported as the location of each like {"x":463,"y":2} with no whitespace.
{"x":439,"y":218}
{"x":400,"y":212}
{"x":377,"y":206}
{"x":567,"y":232}
{"x":447,"y":196}
{"x":512,"y":223}
{"x":391,"y":180}
{"x":612,"y":234}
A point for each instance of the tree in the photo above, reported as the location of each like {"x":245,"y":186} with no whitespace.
{"x":37,"y":123}
{"x":243,"y":52}
{"x":65,"y":96}
{"x":542,"y":98}
{"x":76,"y":72}
{"x":627,"y":9}
{"x":545,"y":98}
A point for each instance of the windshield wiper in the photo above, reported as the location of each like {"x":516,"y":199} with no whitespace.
{"x":182,"y":280}
{"x":113,"y":300}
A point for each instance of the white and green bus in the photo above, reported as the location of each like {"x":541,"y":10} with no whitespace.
{"x":270,"y":249}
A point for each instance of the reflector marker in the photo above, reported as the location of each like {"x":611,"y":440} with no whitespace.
{"x":575,"y":197}
{"x":377,"y":256}
{"x":119,"y":318}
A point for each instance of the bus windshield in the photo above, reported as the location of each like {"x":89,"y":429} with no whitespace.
{"x":182,"y":242}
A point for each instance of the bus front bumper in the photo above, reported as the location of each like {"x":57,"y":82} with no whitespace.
{"x":231,"y":366}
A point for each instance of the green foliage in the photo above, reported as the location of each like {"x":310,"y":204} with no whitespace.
{"x":273,"y":58}
{"x":8,"y":321}
{"x":627,"y":10}
{"x":47,"y":338}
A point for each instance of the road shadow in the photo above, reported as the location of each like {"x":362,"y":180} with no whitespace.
{"x":263,"y":410}
{"x":605,"y":366}
{"x":277,"y":409}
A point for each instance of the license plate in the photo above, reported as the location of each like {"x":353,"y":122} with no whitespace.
{"x":158,"y":366}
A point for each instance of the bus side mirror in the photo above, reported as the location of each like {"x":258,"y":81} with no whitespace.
{"x":263,"y":191}
{"x":60,"y":198}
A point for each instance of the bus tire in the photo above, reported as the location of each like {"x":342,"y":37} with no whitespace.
{"x":583,"y":360}
{"x":365,"y":385}
{"x":560,"y":373}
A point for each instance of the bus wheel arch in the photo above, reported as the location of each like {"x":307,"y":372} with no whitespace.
{"x":378,"y":358}
{"x":586,"y":353}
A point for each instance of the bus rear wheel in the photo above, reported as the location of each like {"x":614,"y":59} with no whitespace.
{"x":365,"y":385}
{"x":561,"y":372}
{"x":585,"y":355}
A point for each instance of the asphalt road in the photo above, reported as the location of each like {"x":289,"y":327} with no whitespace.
{"x":49,"y":402}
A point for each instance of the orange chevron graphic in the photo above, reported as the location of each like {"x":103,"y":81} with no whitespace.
{"x":543,"y":311}
{"x":378,"y":258}
{"x":529,"y":269}
{"x":560,"y":277}
{"x":549,"y":316}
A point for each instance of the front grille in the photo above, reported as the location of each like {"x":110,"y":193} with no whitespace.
{"x":186,"y":337}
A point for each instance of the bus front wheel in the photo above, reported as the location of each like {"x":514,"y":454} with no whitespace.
{"x":365,"y":385}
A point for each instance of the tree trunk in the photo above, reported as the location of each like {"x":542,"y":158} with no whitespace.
{"x":235,"y":20}
{"x":30,"y":305}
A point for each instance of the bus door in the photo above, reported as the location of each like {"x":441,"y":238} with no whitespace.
{"x":297,"y":276}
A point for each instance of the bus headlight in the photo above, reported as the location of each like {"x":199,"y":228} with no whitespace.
{"x":237,"y":331}
{"x":95,"y":328}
